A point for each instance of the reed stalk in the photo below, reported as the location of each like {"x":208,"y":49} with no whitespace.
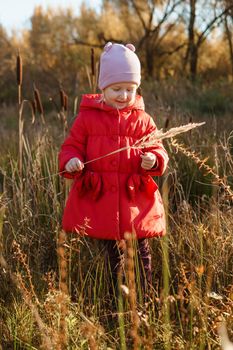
{"x":121,"y":314}
{"x":93,"y":70}
{"x":2,"y":214}
{"x":165,"y":268}
{"x":39,"y":105}
{"x":130,"y":268}
{"x":19,"y":77}
{"x":75,"y":108}
{"x":63,"y":286}
{"x":63,"y":109}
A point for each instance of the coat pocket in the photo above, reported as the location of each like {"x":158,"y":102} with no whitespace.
{"x":142,"y":183}
{"x":89,"y":183}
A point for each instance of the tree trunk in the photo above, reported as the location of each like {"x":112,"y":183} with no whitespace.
{"x":193,"y":62}
{"x":149,"y":59}
{"x":230,"y":44}
{"x":192,"y":49}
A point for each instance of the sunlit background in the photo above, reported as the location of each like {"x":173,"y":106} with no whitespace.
{"x":15,"y":15}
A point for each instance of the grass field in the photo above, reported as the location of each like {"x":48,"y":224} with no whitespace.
{"x":53,"y":291}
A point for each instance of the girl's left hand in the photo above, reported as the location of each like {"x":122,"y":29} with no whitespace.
{"x":148,"y":160}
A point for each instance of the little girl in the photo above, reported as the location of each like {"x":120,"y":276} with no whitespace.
{"x":114,"y":194}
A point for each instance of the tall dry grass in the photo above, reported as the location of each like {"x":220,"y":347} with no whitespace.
{"x":54,"y":293}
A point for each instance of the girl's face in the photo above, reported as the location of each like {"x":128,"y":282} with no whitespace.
{"x":120,"y":95}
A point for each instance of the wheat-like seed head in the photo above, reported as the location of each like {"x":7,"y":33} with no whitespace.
{"x":22,"y":258}
{"x":151,"y":139}
{"x":203,"y":165}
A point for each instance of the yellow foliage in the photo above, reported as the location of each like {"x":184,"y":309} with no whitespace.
{"x":112,"y":25}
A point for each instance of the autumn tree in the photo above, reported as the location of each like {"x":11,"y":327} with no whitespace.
{"x":172,"y":37}
{"x":228,"y":23}
{"x":201,"y":18}
{"x":47,"y":41}
{"x":155,"y":22}
{"x":51,"y":42}
{"x":7,"y":67}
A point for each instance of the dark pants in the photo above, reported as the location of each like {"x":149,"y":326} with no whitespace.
{"x":114,"y":260}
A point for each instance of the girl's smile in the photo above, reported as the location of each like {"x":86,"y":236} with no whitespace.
{"x":120,"y":95}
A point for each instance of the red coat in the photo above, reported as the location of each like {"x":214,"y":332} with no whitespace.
{"x":113,"y":195}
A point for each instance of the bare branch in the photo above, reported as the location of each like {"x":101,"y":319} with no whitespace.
{"x":171,"y":52}
{"x":139,"y":15}
{"x":167,"y":13}
{"x":208,"y":28}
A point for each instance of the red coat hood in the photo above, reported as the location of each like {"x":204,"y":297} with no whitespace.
{"x":95,"y":101}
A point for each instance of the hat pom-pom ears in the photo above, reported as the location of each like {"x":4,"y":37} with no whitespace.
{"x":108,"y":46}
{"x":131,"y":47}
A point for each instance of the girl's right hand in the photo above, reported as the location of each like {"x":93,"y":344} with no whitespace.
{"x":74,"y":164}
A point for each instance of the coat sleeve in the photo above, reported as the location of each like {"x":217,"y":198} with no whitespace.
{"x":158,"y":150}
{"x":73,"y":146}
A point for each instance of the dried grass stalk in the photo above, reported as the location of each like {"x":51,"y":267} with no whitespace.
{"x":203,"y":165}
{"x":152,"y":139}
{"x":146,"y":141}
{"x":75,"y":106}
{"x":90,"y":331}
{"x":22,"y":258}
{"x":62,"y":262}
{"x":226,"y":344}
{"x":63,"y":300}
{"x":39,"y":105}
{"x":66,"y":103}
{"x":33,"y":109}
{"x":45,"y":332}
{"x":130,"y":264}
{"x":62,"y":98}
{"x":33,"y":104}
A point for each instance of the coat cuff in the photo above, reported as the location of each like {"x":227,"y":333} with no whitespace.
{"x":160,"y":166}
